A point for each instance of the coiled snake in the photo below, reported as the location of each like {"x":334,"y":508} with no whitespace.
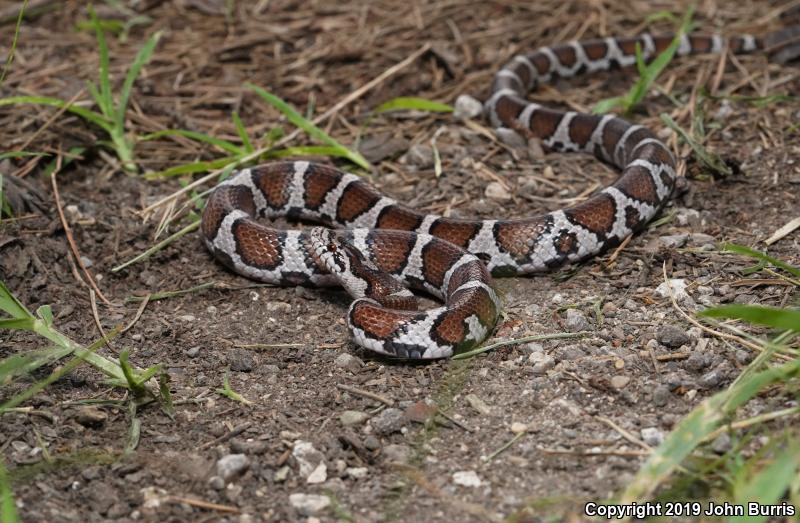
{"x":382,"y":247}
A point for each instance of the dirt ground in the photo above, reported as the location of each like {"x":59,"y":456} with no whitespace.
{"x":326,"y":418}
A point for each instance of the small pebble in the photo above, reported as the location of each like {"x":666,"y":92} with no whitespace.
{"x":397,"y":453}
{"x":371,"y":442}
{"x":308,"y":458}
{"x":497,"y":191}
{"x":193,"y":352}
{"x":652,"y":436}
{"x":388,"y":421}
{"x":232,"y":466}
{"x":576,"y":321}
{"x":478,"y":404}
{"x":419,"y":155}
{"x":241,"y":360}
{"x":677,"y":286}
{"x":216,"y":483}
{"x":545,"y":363}
{"x":357,"y":472}
{"x":349,"y":362}
{"x":620,"y":382}
{"x":518,"y":427}
{"x":349,"y":418}
{"x":510,"y":138}
{"x":722,"y":443}
{"x":90,"y":416}
{"x":466,"y":478}
{"x":467,"y":107}
{"x":661,"y":396}
{"x":672,"y":336}
{"x":309,"y":504}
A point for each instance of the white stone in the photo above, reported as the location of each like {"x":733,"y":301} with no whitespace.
{"x":466,"y":478}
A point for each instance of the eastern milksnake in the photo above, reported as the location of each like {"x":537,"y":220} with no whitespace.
{"x":382,"y":243}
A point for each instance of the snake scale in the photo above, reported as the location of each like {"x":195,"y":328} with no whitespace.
{"x":381,"y":248}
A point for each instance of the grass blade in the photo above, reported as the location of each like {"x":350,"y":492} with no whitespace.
{"x":242,"y":132}
{"x":306,"y":125}
{"x":106,"y":101}
{"x":191,"y":168}
{"x":225,"y":145}
{"x":8,"y":510}
{"x":784,"y":319}
{"x":91,"y":116}
{"x":413,"y":103}
{"x":747,"y":251}
{"x":696,"y":426}
{"x":709,"y":160}
{"x":770,"y":484}
{"x":160,"y":245}
{"x":142,"y":57}
{"x":11,"y":305}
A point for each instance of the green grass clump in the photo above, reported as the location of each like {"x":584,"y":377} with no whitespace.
{"x":111,"y":117}
{"x":769,"y":470}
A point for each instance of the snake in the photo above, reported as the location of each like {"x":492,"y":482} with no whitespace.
{"x":380,"y":250}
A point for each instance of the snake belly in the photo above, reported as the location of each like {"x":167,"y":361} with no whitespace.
{"x":378,"y":239}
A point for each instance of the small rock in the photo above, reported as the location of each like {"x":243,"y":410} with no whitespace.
{"x":672,"y":336}
{"x":518,"y":427}
{"x":90,"y":416}
{"x":576,"y":321}
{"x":216,"y":483}
{"x":388,"y":421}
{"x":497,"y":191}
{"x":661,"y":395}
{"x":620,"y":382}
{"x":348,"y":362}
{"x":686,"y":217}
{"x":467,"y":107}
{"x":420,"y":412}
{"x":545,"y":363}
{"x":697,"y":361}
{"x":466,"y":478}
{"x":609,"y":309}
{"x":724,"y":111}
{"x":319,"y":474}
{"x":652,"y":436}
{"x":241,"y":360}
{"x":281,"y":474}
{"x":232,"y":466}
{"x":510,"y":138}
{"x":371,"y":442}
{"x":674,"y":241}
{"x":478,"y":404}
{"x":309,"y":504}
{"x":722,"y":443}
{"x":419,"y":155}
{"x":711,"y":379}
{"x":349,"y":418}
{"x":87,"y":262}
{"x":308,"y":458}
{"x":676,"y":285}
{"x":532,"y":348}
{"x":699,"y":238}
{"x":356,"y":472}
{"x":193,"y":352}
{"x":397,"y":453}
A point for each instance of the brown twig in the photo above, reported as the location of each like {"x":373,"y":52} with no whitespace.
{"x":68,"y":232}
{"x":365,"y":393}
